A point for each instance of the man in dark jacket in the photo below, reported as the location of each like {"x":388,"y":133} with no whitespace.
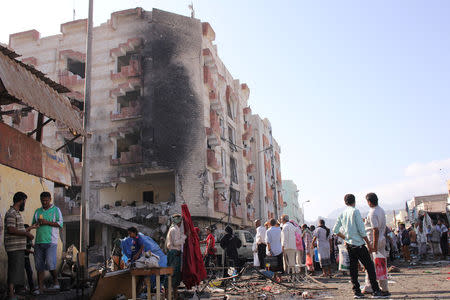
{"x":230,"y":243}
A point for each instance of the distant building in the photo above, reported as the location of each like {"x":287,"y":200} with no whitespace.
{"x":265,"y":172}
{"x":430,"y":204}
{"x":291,"y":204}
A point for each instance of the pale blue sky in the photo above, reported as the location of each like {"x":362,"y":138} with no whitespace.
{"x":357,"y":91}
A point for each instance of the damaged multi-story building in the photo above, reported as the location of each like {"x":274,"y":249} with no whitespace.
{"x":169,"y":123}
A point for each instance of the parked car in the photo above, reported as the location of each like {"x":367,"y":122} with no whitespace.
{"x":245,"y":252}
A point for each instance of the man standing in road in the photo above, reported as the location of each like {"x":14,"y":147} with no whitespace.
{"x":443,"y":230}
{"x":15,"y":240}
{"x":273,"y":240}
{"x":50,"y":221}
{"x":174,"y":243}
{"x":376,"y":228}
{"x":288,"y":245}
{"x":355,"y":237}
{"x":260,"y":239}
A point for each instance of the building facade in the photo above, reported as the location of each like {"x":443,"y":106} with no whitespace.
{"x":292,"y":207}
{"x":169,"y":123}
{"x":267,"y":165}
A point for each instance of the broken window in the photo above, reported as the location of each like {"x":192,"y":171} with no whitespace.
{"x":224,"y":164}
{"x":75,"y":149}
{"x":76,"y":67}
{"x":233,"y":170}
{"x":231,"y":135}
{"x":127,"y":99}
{"x":147,"y":197}
{"x":234,"y":196}
{"x":124,"y":144}
{"x":125,"y":60}
{"x":223,"y":128}
{"x":230,"y":110}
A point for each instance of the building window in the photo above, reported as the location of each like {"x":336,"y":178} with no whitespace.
{"x":234,"y":196}
{"x":128,"y":99}
{"x":147,"y":197}
{"x":123,"y":61}
{"x":76,"y":67}
{"x":75,"y":149}
{"x":229,"y":110}
{"x":231,"y":134}
{"x":224,"y":164}
{"x":223,"y":128}
{"x":233,"y":170}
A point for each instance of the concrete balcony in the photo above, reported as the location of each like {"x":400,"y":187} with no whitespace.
{"x":131,"y":84}
{"x":251,"y":186}
{"x":132,"y":70}
{"x":213,"y":138}
{"x":247,"y":152}
{"x":133,"y":111}
{"x":132,"y":156}
{"x":70,"y":80}
{"x":249,"y":198}
{"x":219,"y":182}
{"x":247,"y":132}
{"x":212,"y":160}
{"x":215,"y":102}
{"x":219,"y":204}
{"x":123,"y":48}
{"x":251,"y":168}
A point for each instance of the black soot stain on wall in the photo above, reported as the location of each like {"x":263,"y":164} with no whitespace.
{"x":170,"y":106}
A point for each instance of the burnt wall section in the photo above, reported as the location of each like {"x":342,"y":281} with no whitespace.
{"x":172,"y":131}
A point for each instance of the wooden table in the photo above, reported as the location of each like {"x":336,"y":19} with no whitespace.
{"x":147,"y":273}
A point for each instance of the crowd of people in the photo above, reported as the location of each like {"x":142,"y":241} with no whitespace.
{"x":363,"y":238}
{"x":280,"y":245}
{"x":19,"y":243}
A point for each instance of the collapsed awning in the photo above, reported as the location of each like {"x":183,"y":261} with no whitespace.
{"x":21,"y":83}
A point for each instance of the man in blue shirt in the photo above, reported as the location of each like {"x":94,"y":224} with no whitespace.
{"x":354,"y":234}
{"x":137,"y":246}
{"x":273,"y":240}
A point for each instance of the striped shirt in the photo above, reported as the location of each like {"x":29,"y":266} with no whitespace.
{"x":13,"y":218}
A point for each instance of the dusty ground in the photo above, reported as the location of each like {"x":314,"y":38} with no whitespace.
{"x":427,"y":280}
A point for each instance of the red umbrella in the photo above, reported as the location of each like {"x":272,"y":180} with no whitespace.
{"x":193,"y":270}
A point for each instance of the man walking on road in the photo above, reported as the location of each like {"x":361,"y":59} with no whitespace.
{"x":376,"y":227}
{"x":260,"y":239}
{"x":355,"y":237}
{"x":50,"y":221}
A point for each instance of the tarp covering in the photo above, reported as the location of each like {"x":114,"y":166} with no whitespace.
{"x":149,"y":244}
{"x":27,"y":87}
{"x":193,"y":270}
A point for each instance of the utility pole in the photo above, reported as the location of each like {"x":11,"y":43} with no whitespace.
{"x":85,"y":190}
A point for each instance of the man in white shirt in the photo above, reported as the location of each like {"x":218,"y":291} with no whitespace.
{"x":174,"y":241}
{"x":375,"y":227}
{"x":273,"y":240}
{"x":260,"y":239}
{"x":288,"y":244}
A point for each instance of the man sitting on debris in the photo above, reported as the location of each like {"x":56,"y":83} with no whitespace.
{"x":137,"y":247}
{"x":174,"y":241}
